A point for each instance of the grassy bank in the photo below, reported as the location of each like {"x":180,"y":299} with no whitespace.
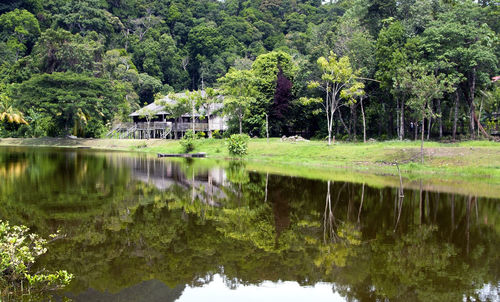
{"x":470,"y":158}
{"x":474,"y":164}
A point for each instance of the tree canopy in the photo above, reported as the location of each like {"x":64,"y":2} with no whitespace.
{"x":147,"y":47}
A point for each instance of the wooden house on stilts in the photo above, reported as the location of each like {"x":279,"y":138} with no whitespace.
{"x":156,"y":121}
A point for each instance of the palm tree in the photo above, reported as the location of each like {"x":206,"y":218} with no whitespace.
{"x":9,"y":113}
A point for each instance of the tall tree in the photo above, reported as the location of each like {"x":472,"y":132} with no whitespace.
{"x":191,"y":101}
{"x":19,"y":29}
{"x":281,"y":105}
{"x":459,"y":42}
{"x":61,"y":51}
{"x":175,"y":109}
{"x":207,"y":105}
{"x":238,"y":88}
{"x":339,"y":83}
{"x":274,"y":70}
{"x":394,"y":51}
{"x":78,"y":103}
{"x":85,"y":16}
{"x":423,"y":88}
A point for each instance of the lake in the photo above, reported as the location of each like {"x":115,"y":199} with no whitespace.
{"x":139,"y":228}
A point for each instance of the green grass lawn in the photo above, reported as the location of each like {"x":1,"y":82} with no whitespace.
{"x":472,"y":158}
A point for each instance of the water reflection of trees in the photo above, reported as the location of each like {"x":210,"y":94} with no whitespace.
{"x":128,"y":222}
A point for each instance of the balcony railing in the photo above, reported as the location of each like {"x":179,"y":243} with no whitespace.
{"x":167,"y":125}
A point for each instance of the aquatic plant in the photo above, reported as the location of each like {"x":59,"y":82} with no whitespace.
{"x":18,"y":251}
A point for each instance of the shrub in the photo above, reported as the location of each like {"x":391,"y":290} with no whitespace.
{"x":238,"y":144}
{"x":216,"y":134}
{"x":187,"y":141}
{"x":18,"y":251}
{"x":201,"y":134}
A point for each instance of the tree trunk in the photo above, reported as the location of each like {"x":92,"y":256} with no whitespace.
{"x":455,"y":118}
{"x":267,"y":127}
{"x":440,"y":118}
{"x":343,"y":124}
{"x":176,"y":132}
{"x":209,"y":129}
{"x":398,"y":126}
{"x":471,"y":123}
{"x":480,"y":127}
{"x":364,"y":121}
{"x":354,"y":120}
{"x":429,"y":127}
{"x":479,"y":117}
{"x":240,"y":118}
{"x":472,"y":91}
{"x":192,"y":116}
{"x":422,"y":139}
{"x":391,"y":122}
{"x":329,"y":119}
{"x":402,"y":121}
{"x":147,"y":132}
{"x":416,"y":130}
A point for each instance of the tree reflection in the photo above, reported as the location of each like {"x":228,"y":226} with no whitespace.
{"x":130,"y":220}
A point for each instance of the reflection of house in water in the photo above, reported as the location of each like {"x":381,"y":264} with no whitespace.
{"x":206,"y":185}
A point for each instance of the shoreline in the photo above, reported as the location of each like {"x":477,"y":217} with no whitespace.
{"x":471,"y":167}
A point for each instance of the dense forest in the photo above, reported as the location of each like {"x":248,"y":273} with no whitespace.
{"x":390,"y":67}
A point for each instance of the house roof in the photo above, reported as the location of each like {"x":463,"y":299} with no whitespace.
{"x":158,"y":109}
{"x":153,"y":107}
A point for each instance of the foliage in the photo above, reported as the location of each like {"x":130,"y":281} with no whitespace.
{"x":264,"y":227}
{"x":238,"y":88}
{"x":237,"y":144}
{"x":216,"y":134}
{"x":189,"y":101}
{"x":281,"y":106}
{"x":8,"y":113}
{"x":201,"y":134}
{"x":423,"y":87}
{"x":75,"y":102}
{"x":144,"y":48}
{"x":19,"y":30}
{"x":18,"y":251}
{"x":61,"y":51}
{"x":188,"y":141}
{"x":339,"y":84}
{"x":267,"y":67}
{"x":207,"y":105}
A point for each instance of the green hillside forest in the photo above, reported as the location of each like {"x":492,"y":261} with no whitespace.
{"x":349,"y":69}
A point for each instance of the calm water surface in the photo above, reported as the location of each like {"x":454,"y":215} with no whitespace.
{"x":139,"y":228}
